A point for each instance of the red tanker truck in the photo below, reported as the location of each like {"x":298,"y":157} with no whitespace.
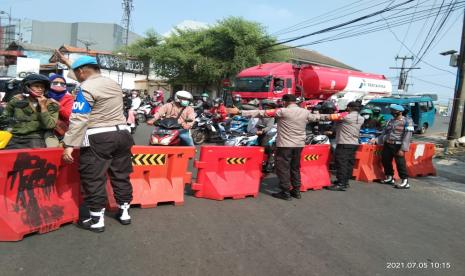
{"x":273,"y":80}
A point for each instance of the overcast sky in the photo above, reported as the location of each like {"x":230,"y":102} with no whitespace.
{"x":374,"y":52}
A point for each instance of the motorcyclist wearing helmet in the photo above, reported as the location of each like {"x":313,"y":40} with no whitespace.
{"x":266,"y":122}
{"x":218,"y":111}
{"x":179,"y":108}
{"x":158,"y":96}
{"x":237,"y":101}
{"x":369,"y":122}
{"x":204,"y":103}
{"x":32,"y":113}
{"x":136,"y":102}
{"x":377,"y":115}
{"x":326,"y":127}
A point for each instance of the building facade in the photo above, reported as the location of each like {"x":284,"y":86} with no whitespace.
{"x":96,"y":36}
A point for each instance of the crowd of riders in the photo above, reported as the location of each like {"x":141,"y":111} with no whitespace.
{"x":38,"y":115}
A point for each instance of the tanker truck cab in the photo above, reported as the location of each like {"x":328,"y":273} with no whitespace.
{"x":265,"y":81}
{"x":418,"y":107}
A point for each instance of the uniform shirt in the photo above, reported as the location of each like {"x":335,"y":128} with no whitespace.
{"x":398,"y":131}
{"x":292,"y":122}
{"x":171,"y":110}
{"x":28,"y":120}
{"x":348,"y":129}
{"x":99,"y":103}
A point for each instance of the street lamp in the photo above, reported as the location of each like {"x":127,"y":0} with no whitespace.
{"x":454,"y":57}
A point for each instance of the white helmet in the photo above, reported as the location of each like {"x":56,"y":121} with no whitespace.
{"x":183,"y":98}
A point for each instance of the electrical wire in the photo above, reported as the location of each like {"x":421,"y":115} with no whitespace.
{"x":342,"y":24}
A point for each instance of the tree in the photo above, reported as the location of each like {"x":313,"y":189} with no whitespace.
{"x":207,"y":56}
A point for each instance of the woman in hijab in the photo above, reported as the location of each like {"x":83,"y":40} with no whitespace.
{"x":59,"y":93}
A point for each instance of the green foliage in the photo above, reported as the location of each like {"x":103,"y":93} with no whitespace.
{"x":207,"y":56}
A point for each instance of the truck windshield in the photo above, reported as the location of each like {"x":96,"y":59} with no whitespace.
{"x":252,"y":85}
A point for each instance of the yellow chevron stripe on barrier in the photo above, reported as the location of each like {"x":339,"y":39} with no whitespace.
{"x":311,"y":157}
{"x":236,"y":161}
{"x":148,"y":159}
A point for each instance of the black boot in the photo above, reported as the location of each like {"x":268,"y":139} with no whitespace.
{"x":282,"y":195}
{"x":123,"y":214}
{"x":337,"y":187}
{"x":95,"y":222}
{"x":295,"y":193}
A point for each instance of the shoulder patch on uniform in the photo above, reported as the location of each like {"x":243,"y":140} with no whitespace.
{"x":81,"y":105}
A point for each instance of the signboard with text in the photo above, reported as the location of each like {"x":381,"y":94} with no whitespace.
{"x":122,"y":64}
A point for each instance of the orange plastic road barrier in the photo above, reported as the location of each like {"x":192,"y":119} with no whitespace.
{"x":38,"y":192}
{"x":228,"y":172}
{"x":160,"y":175}
{"x":314,"y":167}
{"x":420,"y":160}
{"x":368,"y":165}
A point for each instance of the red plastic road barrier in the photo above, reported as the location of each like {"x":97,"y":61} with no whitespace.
{"x":314,"y":167}
{"x":228,"y":172}
{"x":38,"y":192}
{"x":420,"y":160}
{"x":160,"y":174}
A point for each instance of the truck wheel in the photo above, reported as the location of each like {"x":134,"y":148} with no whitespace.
{"x":198,"y":136}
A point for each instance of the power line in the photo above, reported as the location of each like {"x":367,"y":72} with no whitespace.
{"x":432,"y":83}
{"x":363,"y":31}
{"x":342,"y":24}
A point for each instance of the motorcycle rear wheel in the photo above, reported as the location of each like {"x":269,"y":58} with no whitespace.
{"x":198,"y":136}
{"x":141,"y":118}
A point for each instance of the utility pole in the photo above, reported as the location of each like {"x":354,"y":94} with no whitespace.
{"x":456,"y":129}
{"x":403,"y":86}
{"x":126,"y":22}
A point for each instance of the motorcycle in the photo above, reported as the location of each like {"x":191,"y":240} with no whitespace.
{"x":204,"y":130}
{"x":366,"y":134}
{"x":166,"y":133}
{"x":143,"y":113}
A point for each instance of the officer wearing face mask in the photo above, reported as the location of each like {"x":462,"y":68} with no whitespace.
{"x":32,"y":113}
{"x":179,"y":108}
{"x":396,"y":142}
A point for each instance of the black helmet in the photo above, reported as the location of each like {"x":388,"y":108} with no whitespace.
{"x":268,"y":104}
{"x":218,"y":101}
{"x":36,"y":78}
{"x":328,"y":105}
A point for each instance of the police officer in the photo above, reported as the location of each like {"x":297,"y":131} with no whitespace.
{"x":31,"y":113}
{"x":290,"y":140}
{"x":98,"y":127}
{"x":395,"y":139}
{"x":347,"y":134}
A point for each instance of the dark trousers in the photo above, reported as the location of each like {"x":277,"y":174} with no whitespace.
{"x":390,"y":152}
{"x":25,"y":143}
{"x":344,"y":158}
{"x":288,"y":168}
{"x":109,"y":152}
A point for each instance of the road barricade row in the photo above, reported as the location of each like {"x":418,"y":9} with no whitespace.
{"x":39,"y":193}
